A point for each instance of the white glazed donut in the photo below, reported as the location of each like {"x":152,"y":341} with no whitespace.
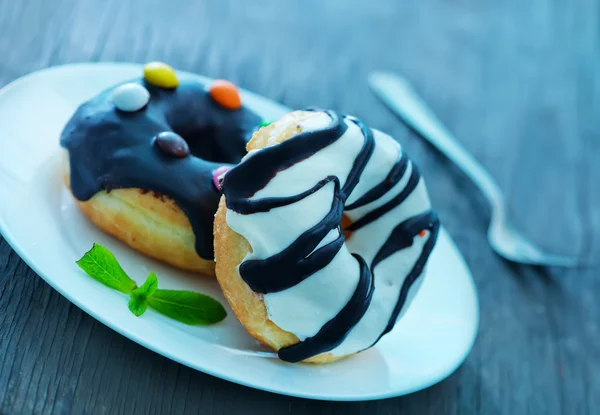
{"x":294,"y":277}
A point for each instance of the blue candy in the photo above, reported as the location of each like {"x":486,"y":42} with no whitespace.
{"x":130,"y":97}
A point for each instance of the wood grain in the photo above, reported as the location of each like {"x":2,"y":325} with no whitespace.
{"x":518,"y":82}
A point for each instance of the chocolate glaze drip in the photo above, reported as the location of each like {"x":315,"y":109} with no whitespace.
{"x":298,"y":261}
{"x":111,"y":149}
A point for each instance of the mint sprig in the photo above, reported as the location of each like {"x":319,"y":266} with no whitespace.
{"x":184,"y":306}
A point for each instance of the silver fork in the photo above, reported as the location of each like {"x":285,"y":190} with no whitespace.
{"x":398,"y":94}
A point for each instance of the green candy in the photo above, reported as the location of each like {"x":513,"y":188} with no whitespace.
{"x":265,"y":123}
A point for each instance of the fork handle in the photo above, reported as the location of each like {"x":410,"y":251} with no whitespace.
{"x":415,"y":112}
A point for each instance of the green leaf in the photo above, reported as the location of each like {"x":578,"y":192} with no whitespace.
{"x":137,"y":305}
{"x":149,"y":286}
{"x":187,"y":307}
{"x":100,"y":264}
{"x":138,"y":301}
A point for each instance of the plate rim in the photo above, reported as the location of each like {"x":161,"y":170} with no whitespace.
{"x":148,"y":344}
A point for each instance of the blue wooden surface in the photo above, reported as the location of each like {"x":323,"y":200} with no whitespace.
{"x":517,"y":81}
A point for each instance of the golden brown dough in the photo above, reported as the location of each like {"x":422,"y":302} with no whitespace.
{"x":149,"y":222}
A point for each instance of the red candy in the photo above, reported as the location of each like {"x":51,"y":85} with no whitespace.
{"x":217,"y":173}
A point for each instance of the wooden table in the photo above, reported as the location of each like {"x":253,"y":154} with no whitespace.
{"x":517,"y":81}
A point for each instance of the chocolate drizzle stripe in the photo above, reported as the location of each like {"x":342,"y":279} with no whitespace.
{"x":248,"y":207}
{"x":382,"y":210}
{"x":360,"y":162}
{"x":382,"y":188}
{"x":337,"y":329}
{"x":403,"y":235}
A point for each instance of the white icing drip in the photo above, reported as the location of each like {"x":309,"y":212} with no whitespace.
{"x":304,"y":308}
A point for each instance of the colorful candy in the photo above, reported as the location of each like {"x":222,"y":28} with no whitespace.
{"x":161,"y":75}
{"x":265,"y":123}
{"x":172,"y":144}
{"x":423,"y":233}
{"x":218,"y":174}
{"x":225,"y":94}
{"x":130,"y":97}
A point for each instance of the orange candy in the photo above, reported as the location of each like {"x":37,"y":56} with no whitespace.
{"x":225,"y":94}
{"x":422,"y":233}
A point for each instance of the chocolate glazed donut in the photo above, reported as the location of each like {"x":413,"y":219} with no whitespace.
{"x":145,"y":174}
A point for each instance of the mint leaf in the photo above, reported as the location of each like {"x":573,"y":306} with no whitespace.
{"x":100,"y":264}
{"x":187,"y":307}
{"x":138,"y":303}
{"x":149,"y":286}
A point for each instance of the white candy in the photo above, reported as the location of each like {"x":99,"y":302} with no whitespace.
{"x":130,"y":97}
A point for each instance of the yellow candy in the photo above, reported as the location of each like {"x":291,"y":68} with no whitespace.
{"x":161,"y":75}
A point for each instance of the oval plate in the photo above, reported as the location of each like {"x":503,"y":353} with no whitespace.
{"x":41,"y":222}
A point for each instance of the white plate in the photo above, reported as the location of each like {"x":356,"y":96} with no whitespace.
{"x":41,"y":222}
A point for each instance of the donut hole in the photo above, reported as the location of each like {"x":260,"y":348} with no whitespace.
{"x":205,"y":144}
{"x":345,"y":223}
